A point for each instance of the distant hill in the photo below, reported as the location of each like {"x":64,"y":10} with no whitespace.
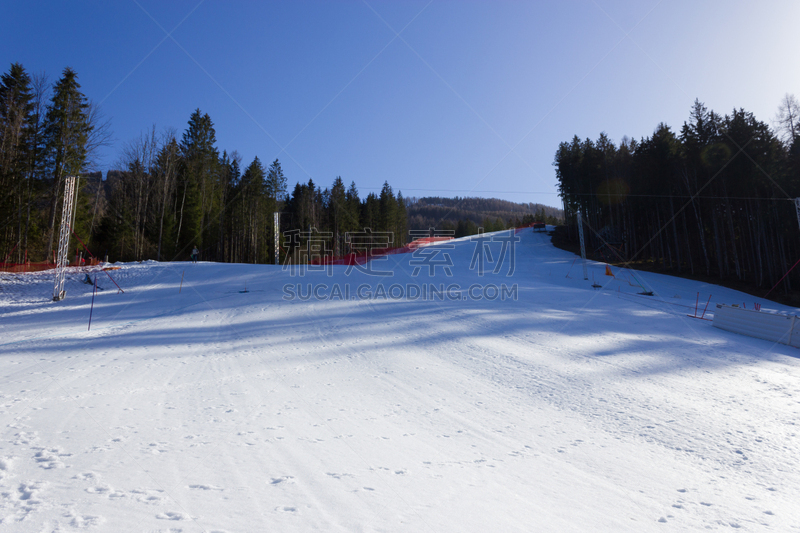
{"x":462,"y":214}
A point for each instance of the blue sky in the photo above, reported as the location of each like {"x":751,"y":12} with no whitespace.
{"x":471,"y":99}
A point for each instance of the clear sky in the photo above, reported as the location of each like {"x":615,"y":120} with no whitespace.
{"x":450,"y":98}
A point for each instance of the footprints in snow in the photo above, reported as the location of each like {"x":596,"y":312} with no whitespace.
{"x":156,"y":448}
{"x":681,"y":504}
{"x":156,"y":497}
{"x":205,"y":487}
{"x":339,"y":476}
{"x":28,"y":491}
{"x":285,"y":481}
{"x":149,"y":496}
{"x":49,"y":458}
{"x":22,"y":501}
{"x":82,"y":521}
{"x":145,"y":496}
{"x":173,"y":515}
{"x":5,"y":466}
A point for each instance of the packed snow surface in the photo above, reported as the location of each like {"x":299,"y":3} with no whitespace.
{"x":201,"y":407}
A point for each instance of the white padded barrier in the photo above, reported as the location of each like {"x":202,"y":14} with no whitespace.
{"x":765,"y":324}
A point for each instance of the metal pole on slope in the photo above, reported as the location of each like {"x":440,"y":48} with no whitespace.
{"x":583,"y":246}
{"x":797,"y":209}
{"x":277,"y":222}
{"x":92,"y":308}
{"x":63,"y":239}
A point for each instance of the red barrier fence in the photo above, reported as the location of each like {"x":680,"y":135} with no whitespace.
{"x":534,"y":225}
{"x":362,"y":257}
{"x":38,"y":267}
{"x":349,"y":259}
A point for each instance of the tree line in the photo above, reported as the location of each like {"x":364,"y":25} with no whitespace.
{"x":171,"y":192}
{"x":466,"y":216}
{"x":172,"y":195}
{"x":168,"y":194}
{"x":714,"y":200}
{"x":47,"y":133}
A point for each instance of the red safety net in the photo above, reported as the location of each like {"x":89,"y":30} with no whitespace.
{"x":38,"y":267}
{"x":534,"y":225}
{"x":362,"y":257}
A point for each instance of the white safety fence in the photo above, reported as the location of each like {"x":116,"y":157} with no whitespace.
{"x":765,"y":324}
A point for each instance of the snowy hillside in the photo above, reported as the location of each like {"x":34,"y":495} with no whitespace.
{"x":566,"y":409}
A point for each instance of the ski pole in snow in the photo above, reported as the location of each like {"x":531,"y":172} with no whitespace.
{"x":570,"y":267}
{"x":91,"y":309}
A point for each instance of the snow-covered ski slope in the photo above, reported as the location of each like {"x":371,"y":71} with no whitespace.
{"x":567,"y":409}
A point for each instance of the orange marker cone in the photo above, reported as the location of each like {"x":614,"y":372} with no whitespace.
{"x":608,"y":271}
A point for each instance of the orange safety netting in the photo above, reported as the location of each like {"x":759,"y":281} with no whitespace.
{"x":534,"y":225}
{"x":362,"y":257}
{"x":38,"y":267}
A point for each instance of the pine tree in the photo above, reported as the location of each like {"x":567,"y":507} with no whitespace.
{"x":370,"y":213}
{"x":388,"y":211}
{"x":66,"y":130}
{"x":353,"y":222}
{"x":276,"y":182}
{"x":16,"y":124}
{"x":200,"y":183}
{"x":401,"y":220}
{"x":254,"y":214}
{"x":275,"y":195}
{"x":167,"y":169}
{"x":337,"y":213}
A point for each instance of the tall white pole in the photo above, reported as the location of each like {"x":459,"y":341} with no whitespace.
{"x":797,"y":208}
{"x":583,"y":246}
{"x":277,"y":222}
{"x":63,"y":239}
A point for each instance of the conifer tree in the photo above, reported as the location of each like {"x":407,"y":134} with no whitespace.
{"x":401,"y":220}
{"x":66,"y":130}
{"x":167,"y":169}
{"x":353,"y":208}
{"x":199,"y":183}
{"x":254,"y":215}
{"x":388,"y":210}
{"x":275,"y":182}
{"x":337,"y":213}
{"x":16,"y":125}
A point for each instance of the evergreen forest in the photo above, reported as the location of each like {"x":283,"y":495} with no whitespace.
{"x":468,"y":216}
{"x":169,"y":193}
{"x":713,"y":200}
